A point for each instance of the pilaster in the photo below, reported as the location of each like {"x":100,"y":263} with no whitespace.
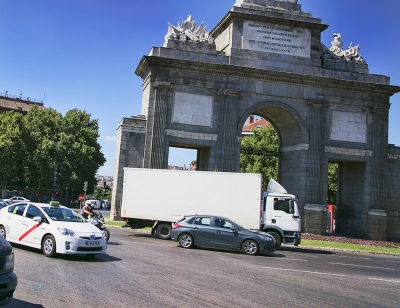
{"x":227,"y":144}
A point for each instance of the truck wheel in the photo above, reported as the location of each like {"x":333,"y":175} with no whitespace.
{"x":250,"y":247}
{"x":49,"y":246}
{"x":185,"y":240}
{"x":164,"y":231}
{"x":277,"y":238}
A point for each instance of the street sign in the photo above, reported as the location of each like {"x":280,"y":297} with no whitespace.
{"x":81,"y":197}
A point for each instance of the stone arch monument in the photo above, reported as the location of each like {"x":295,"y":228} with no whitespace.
{"x":265,"y":57}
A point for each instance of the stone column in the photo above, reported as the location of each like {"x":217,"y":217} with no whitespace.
{"x":315,"y":219}
{"x":377,"y":218}
{"x":227,"y":147}
{"x":156,"y":123}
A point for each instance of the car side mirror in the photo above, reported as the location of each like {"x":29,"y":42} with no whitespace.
{"x":37,"y":219}
{"x":233,"y":228}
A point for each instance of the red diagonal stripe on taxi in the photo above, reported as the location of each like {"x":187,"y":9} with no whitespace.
{"x":28,"y":231}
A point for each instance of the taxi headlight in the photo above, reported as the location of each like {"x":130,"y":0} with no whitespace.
{"x":66,"y":231}
{"x":10,"y":261}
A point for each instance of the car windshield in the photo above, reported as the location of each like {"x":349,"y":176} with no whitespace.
{"x":63,"y":214}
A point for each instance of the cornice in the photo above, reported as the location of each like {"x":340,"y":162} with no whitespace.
{"x":228,"y":70}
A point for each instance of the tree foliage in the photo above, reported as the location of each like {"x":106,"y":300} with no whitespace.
{"x":11,"y":148}
{"x":44,"y":146}
{"x":103,"y":193}
{"x":264,"y":140}
{"x":332,"y":183}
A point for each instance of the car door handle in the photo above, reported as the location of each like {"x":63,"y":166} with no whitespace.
{"x":217,"y":231}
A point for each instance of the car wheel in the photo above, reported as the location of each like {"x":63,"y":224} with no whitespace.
{"x":164,"y":231}
{"x":250,"y":247}
{"x":277,"y":239}
{"x":185,"y":240}
{"x":3,"y":231}
{"x":49,"y":246}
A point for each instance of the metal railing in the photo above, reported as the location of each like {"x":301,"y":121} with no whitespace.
{"x":22,"y":98}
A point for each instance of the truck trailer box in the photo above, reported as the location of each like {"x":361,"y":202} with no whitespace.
{"x":168,"y":195}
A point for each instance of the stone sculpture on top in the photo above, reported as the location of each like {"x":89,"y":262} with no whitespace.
{"x":336,"y":51}
{"x":187,"y":30}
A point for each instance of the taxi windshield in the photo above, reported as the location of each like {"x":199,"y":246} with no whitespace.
{"x":63,"y":214}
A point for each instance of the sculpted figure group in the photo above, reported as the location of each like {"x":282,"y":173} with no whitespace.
{"x":336,"y":51}
{"x":187,"y":31}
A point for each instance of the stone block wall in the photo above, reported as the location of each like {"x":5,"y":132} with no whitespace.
{"x":315,"y":219}
{"x":393,"y":188}
{"x":377,"y":225}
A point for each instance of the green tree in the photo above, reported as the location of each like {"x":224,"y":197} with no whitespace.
{"x":81,"y":153}
{"x":103,"y":193}
{"x":44,"y":145}
{"x":332,"y":182}
{"x":11,"y":149}
{"x":256,"y":154}
{"x":42,"y":128}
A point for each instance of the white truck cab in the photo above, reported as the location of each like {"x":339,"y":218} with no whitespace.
{"x":280,"y":215}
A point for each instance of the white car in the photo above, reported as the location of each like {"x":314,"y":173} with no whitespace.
{"x":16,"y":199}
{"x":51,"y":228}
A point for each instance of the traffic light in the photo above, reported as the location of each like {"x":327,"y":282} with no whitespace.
{"x":85,"y":186}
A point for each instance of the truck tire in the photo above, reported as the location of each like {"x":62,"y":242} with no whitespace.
{"x":164,"y":231}
{"x":277,"y":239}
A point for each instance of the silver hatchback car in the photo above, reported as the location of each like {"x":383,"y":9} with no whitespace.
{"x":220,"y":232}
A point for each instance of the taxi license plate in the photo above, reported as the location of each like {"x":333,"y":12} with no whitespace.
{"x":92,"y":243}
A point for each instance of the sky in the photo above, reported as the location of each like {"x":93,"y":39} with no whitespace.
{"x":83,"y":53}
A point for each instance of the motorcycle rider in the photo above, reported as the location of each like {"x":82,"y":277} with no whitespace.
{"x":87,"y":210}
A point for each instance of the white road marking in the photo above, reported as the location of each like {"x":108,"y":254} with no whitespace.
{"x":309,"y":272}
{"x":387,"y":280}
{"x":356,"y":265}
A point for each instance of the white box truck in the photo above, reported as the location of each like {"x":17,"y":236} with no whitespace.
{"x":157,"y":198}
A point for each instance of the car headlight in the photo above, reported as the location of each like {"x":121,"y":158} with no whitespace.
{"x":265,"y":238}
{"x":66,"y":231}
{"x":10,"y":261}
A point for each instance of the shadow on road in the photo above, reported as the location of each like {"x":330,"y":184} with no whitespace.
{"x":103,"y":257}
{"x":16,"y":303}
{"x":306,"y":250}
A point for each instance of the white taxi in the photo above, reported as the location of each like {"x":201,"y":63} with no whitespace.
{"x":51,"y":228}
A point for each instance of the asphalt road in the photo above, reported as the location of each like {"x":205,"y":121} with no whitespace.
{"x":140,"y":270}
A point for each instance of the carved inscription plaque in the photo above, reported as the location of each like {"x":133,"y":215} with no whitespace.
{"x":349,"y":126}
{"x":277,"y":39}
{"x":192,"y":109}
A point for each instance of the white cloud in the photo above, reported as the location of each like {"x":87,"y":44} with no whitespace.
{"x":111,"y":138}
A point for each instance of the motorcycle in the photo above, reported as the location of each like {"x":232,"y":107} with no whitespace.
{"x":98,"y":221}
